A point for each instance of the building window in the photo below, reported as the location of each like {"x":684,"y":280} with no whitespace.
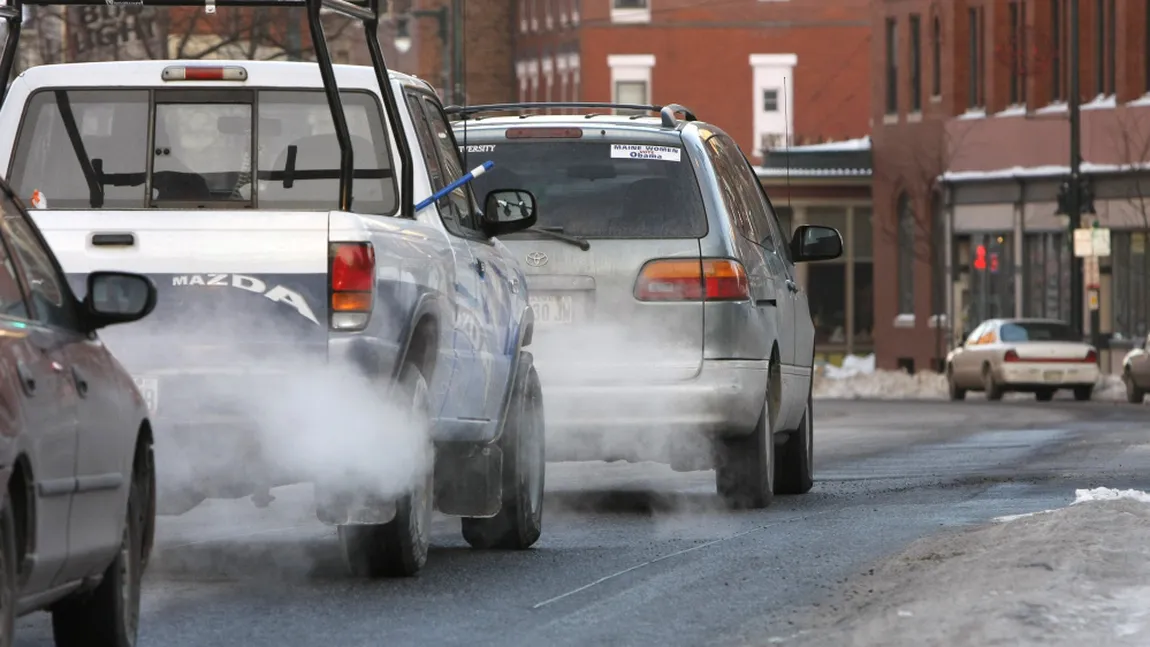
{"x":936,"y":58}
{"x":1024,"y":61}
{"x":1111,"y":48}
{"x":915,"y":64}
{"x":906,"y":256}
{"x":992,"y":278}
{"x":770,"y":100}
{"x":863,"y":245}
{"x":828,"y":301}
{"x":771,"y":94}
{"x":974,"y":100}
{"x":631,"y":78}
{"x":630,"y":11}
{"x":1100,"y":46}
{"x":1146,"y":48}
{"x":1014,"y":54}
{"x":891,"y":66}
{"x":981,"y":48}
{"x":1057,"y":54}
{"x":1046,"y":276}
{"x":1130,"y":290}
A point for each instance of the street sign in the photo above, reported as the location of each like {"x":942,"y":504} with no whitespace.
{"x":1094,"y":299}
{"x":1091,"y":241}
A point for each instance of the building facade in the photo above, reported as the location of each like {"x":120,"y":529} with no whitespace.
{"x":971,"y":142}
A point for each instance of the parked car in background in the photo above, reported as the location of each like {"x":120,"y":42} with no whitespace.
{"x":670,"y":325}
{"x":76,"y":457}
{"x":1136,"y":372}
{"x":1038,"y":356}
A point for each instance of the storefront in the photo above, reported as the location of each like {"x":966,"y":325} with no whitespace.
{"x":1011,"y":253}
{"x":829,"y":184}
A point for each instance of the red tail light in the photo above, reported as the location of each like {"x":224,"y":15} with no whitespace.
{"x":352,"y":284}
{"x":708,"y":279}
{"x":1010,"y":356}
{"x":1091,"y":357}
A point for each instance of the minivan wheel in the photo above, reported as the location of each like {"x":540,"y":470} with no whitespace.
{"x":399,"y":547}
{"x":795,"y":462}
{"x":745,"y":465}
{"x":520,"y":521}
{"x":109,"y":616}
{"x":7,"y":574}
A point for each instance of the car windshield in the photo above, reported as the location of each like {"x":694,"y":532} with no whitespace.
{"x":87,"y":149}
{"x":598,"y":189}
{"x":1037,"y":331}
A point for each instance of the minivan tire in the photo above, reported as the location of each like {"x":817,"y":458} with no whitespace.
{"x":795,"y":460}
{"x":7,"y":574}
{"x":745,"y":465}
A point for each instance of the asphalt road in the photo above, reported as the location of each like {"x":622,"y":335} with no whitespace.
{"x":638,"y":554}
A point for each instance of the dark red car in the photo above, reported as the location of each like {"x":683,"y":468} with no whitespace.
{"x":78,"y":511}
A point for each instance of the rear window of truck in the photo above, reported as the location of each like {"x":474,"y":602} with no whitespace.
{"x":137,"y":149}
{"x":598,"y":189}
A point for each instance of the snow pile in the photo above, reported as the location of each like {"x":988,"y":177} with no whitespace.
{"x":1078,"y":575}
{"x":857,"y":378}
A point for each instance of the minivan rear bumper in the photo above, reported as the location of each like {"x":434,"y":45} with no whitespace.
{"x":635,"y":421}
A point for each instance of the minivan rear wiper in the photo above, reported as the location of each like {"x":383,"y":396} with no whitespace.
{"x":557,"y":234}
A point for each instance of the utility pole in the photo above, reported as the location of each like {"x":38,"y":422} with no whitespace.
{"x":1074,"y":201}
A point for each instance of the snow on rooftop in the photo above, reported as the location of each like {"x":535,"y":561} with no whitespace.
{"x":1049,"y":170}
{"x":860,"y":144}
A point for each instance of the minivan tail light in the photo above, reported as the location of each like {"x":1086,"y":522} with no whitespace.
{"x":352,"y":277}
{"x":708,"y":279}
{"x":204,"y":73}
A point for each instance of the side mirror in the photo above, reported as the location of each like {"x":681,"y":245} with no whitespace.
{"x":816,"y":243}
{"x":508,"y":210}
{"x":118,"y":297}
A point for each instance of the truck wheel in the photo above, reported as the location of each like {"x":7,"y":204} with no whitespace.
{"x":110,"y":615}
{"x":7,"y":575}
{"x":795,"y":462}
{"x":745,"y":465}
{"x":399,"y":547}
{"x":520,"y":520}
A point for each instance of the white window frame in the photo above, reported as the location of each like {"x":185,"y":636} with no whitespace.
{"x":631,"y":67}
{"x":533,"y":80}
{"x":575,"y":12}
{"x":521,"y":76}
{"x":561,"y":67}
{"x":630,"y":14}
{"x":765,"y":66}
{"x":523,"y":16}
{"x":576,"y":77}
{"x":548,"y":78}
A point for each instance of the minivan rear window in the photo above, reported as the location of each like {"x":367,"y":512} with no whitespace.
{"x":598,"y":189}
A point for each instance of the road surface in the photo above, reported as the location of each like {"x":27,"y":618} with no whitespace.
{"x":638,"y":554}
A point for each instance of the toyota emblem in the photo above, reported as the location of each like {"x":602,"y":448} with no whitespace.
{"x":537,"y":259}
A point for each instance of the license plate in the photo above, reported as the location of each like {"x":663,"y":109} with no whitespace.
{"x":1052,"y":376}
{"x":552,"y":309}
{"x":149,"y":388}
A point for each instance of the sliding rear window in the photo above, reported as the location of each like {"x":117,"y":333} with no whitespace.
{"x":598,"y":189}
{"x":89,"y":149}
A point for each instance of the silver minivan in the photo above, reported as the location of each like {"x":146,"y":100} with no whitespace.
{"x":669,"y":325}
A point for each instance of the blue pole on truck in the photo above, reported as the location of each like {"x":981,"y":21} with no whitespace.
{"x":467,"y":177}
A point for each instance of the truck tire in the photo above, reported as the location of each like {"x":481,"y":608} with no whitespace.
{"x":7,"y":574}
{"x":109,"y":616}
{"x":745,"y":465}
{"x":399,"y":547}
{"x":519,"y":522}
{"x":795,"y":461}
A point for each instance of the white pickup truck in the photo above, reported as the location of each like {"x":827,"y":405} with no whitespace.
{"x":221,"y":180}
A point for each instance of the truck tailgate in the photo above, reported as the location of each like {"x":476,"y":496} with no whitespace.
{"x":238,"y":290}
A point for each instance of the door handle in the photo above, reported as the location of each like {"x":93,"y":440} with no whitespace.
{"x":81,"y":383}
{"x":480,"y":268}
{"x":792,"y":286}
{"x":117,"y":239}
{"x":27,"y":381}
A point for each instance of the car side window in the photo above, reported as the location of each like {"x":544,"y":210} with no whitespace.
{"x":448,"y":211}
{"x":738,"y":210}
{"x":12,"y":302}
{"x":52,"y":299}
{"x":974,"y":336}
{"x":461,"y":197}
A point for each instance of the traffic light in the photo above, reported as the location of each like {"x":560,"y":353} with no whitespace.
{"x":980,"y":258}
{"x":1085,"y":197}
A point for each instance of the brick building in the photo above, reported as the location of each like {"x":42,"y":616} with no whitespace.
{"x":970,"y":144}
{"x":727,"y":60}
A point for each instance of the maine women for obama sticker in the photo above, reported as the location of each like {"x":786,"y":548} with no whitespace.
{"x":645,"y":152}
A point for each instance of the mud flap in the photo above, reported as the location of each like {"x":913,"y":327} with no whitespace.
{"x":468,"y":479}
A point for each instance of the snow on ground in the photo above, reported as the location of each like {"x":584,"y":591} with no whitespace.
{"x":1078,"y":575}
{"x":858,"y":378}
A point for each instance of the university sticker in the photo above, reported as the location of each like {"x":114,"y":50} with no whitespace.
{"x":645,"y":152}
